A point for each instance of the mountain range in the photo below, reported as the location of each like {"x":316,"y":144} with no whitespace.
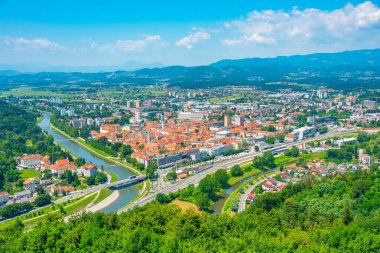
{"x":350,"y":69}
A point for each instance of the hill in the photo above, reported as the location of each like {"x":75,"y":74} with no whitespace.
{"x":338,"y":214}
{"x":345,"y":70}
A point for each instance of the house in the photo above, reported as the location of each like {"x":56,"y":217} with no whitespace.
{"x":182,"y":175}
{"x":30,"y":160}
{"x":89,"y":170}
{"x":60,"y":166}
{"x":251,"y":197}
{"x":4,"y":197}
{"x":267,"y":186}
{"x":22,"y":194}
{"x":365,"y":159}
{"x":31,"y":184}
{"x":45,"y":159}
{"x":61,"y":189}
{"x":290,"y":137}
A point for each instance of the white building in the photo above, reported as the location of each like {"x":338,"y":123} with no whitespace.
{"x":30,"y":160}
{"x":89,"y":170}
{"x":31,"y":184}
{"x":190,"y":116}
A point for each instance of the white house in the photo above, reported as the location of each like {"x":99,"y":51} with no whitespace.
{"x":89,"y":170}
{"x":30,"y":160}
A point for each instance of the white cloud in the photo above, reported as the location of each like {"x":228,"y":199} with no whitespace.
{"x":129,"y":45}
{"x":192,"y":39}
{"x":350,"y":23}
{"x":38,"y":44}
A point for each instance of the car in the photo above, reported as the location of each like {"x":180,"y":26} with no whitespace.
{"x":132,"y":177}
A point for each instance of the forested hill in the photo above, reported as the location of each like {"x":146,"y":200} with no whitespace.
{"x":340,"y":214}
{"x":19,"y":134}
{"x":344,"y":70}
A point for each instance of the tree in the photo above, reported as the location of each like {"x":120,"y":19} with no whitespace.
{"x":210,"y":186}
{"x":101,"y":178}
{"x":91,"y":180}
{"x":42,"y":200}
{"x":281,"y":138}
{"x":293,"y":151}
{"x":222,"y":177}
{"x":257,"y":148}
{"x":125,"y":150}
{"x":151,"y":171}
{"x":163,"y":198}
{"x":203,"y":201}
{"x":236,"y":171}
{"x":80,"y":161}
{"x":270,"y":139}
{"x":172,"y":175}
{"x":39,"y":189}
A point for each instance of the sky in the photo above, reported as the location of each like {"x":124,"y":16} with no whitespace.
{"x":179,"y":32}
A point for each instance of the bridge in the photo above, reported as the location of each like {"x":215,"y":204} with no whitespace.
{"x":115,"y":185}
{"x":126,"y":182}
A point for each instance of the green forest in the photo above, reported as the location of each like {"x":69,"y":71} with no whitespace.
{"x":19,"y":134}
{"x":340,"y":214}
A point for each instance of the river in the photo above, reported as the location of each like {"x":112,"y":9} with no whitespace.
{"x":218,"y":205}
{"x":126,"y":195}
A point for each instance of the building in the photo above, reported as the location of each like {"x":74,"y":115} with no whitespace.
{"x":198,"y":156}
{"x":251,"y":197}
{"x":238,"y":120}
{"x":303,"y":132}
{"x":89,"y":170}
{"x":365,"y":159}
{"x":222,"y":134}
{"x":30,"y":160}
{"x":109,"y":128}
{"x":31,"y":184}
{"x":138,"y":116}
{"x":22,"y":194}
{"x":190,"y":116}
{"x":165,"y":161}
{"x":61,"y":189}
{"x":369,"y":104}
{"x":137,"y":103}
{"x":4,"y":197}
{"x":227,"y":120}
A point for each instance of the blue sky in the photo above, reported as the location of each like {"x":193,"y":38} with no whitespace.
{"x":180,"y":32}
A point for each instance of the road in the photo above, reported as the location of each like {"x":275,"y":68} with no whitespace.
{"x":223,"y":164}
{"x":244,"y":197}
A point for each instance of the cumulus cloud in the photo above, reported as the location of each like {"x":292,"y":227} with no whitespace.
{"x":37,"y":44}
{"x":128,"y":45}
{"x":192,"y":39}
{"x":350,"y":23}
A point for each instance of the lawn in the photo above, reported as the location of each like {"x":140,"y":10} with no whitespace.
{"x":29,"y":173}
{"x":104,"y":193}
{"x":185,"y":205}
{"x":113,"y":176}
{"x":234,"y":180}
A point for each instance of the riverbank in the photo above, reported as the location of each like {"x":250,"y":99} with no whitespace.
{"x":104,"y":203}
{"x":95,"y":152}
{"x":236,"y":192}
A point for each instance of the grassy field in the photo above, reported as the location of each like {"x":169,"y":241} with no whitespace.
{"x":104,"y":193}
{"x":29,"y":173}
{"x":185,"y":205}
{"x":234,"y":180}
{"x":113,"y":176}
{"x":30,"y":92}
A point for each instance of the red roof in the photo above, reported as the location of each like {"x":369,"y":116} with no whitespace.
{"x":89,"y":166}
{"x":252,"y":196}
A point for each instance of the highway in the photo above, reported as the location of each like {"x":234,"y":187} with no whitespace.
{"x":223,"y":164}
